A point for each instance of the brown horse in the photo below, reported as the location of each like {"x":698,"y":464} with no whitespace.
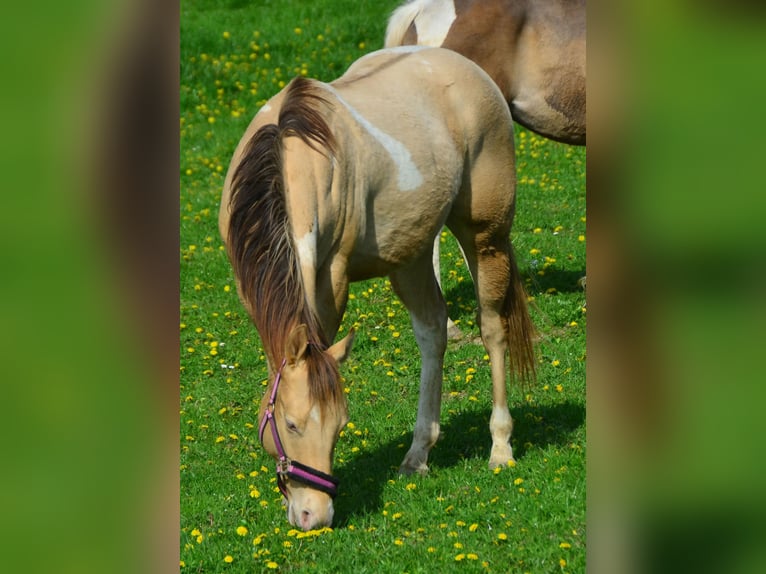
{"x":340,"y":182}
{"x":534,"y":50}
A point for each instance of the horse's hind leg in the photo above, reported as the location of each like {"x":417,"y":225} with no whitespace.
{"x":503,"y":319}
{"x":416,"y":286}
{"x":453,"y":331}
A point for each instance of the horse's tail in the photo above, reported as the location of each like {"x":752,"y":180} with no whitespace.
{"x":400,"y":21}
{"x":520,"y":330}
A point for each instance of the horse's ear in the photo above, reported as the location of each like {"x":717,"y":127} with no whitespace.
{"x":340,"y":350}
{"x":297,"y":341}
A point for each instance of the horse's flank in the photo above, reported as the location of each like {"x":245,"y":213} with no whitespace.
{"x":260,"y":240}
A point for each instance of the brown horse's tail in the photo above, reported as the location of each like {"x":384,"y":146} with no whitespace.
{"x":520,"y":331}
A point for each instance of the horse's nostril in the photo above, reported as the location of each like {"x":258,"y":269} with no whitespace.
{"x":306,"y":520}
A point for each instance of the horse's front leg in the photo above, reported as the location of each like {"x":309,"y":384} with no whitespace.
{"x":416,"y":286}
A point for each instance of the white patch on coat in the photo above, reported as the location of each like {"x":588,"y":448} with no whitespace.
{"x":306,"y":248}
{"x":409,"y":176}
{"x":316,"y":415}
{"x":434,"y":21}
{"x":266,"y":108}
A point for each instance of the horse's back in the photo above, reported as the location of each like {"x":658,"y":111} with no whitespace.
{"x":423,"y":85}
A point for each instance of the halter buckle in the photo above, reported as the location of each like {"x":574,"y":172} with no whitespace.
{"x":283,"y":466}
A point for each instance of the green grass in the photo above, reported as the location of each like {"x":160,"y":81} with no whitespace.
{"x":529,"y":518}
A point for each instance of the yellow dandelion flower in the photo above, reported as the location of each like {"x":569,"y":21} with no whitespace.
{"x":459,"y":557}
{"x":227,"y":36}
{"x":562,"y":562}
{"x":241,"y":530}
{"x":399,"y":542}
{"x":411,"y":486}
{"x":502,"y":536}
{"x":228,"y":559}
{"x":580,"y":238}
{"x":195,"y":532}
{"x":472,"y":556}
{"x":518,"y":481}
{"x":473,"y":527}
{"x":565,"y":545}
{"x":271,"y":565}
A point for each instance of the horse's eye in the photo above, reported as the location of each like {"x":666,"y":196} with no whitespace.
{"x":291,"y":426}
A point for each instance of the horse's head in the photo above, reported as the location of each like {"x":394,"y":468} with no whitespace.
{"x":301,"y":418}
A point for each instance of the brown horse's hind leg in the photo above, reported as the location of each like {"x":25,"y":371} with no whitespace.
{"x":416,"y":286}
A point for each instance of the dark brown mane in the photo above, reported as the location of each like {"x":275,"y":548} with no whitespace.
{"x":260,"y":240}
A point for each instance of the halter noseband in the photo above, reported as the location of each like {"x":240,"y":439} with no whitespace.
{"x":287,"y":468}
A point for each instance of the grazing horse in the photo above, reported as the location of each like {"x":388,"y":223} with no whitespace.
{"x":534,"y":50}
{"x":340,"y":182}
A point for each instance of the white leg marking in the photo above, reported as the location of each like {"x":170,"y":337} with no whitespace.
{"x":409,"y":175}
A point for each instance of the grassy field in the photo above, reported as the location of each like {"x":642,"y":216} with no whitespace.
{"x":527,"y":518}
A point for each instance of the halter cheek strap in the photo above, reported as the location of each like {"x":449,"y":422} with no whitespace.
{"x":290,"y":469}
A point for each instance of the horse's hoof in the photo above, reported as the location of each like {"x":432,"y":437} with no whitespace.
{"x":407,"y":470}
{"x":501,"y":456}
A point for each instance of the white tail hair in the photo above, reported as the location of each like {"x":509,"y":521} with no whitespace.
{"x":400,"y":21}
{"x":433,"y":19}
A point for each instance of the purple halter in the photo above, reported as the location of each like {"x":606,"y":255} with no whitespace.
{"x":287,"y":468}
